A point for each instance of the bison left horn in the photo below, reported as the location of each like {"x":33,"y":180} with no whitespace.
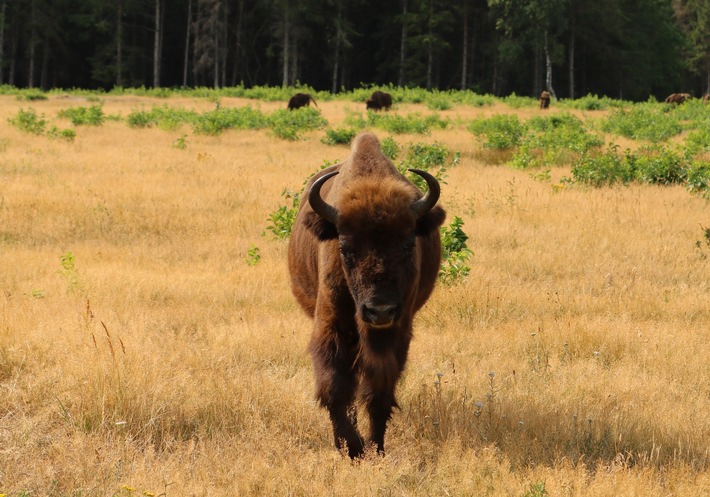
{"x":428,"y":201}
{"x":320,"y":206}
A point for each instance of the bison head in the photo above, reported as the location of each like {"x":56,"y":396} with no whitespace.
{"x":377,"y":221}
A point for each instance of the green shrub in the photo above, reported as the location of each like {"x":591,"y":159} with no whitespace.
{"x":282,"y":219}
{"x":30,"y":94}
{"x":658,"y":166}
{"x":435,"y":159}
{"x":411,"y":123}
{"x":287,"y":124}
{"x":28,"y":121}
{"x":216,"y":121}
{"x":92,"y":115}
{"x":165,"y":117}
{"x":600,"y":169}
{"x":501,"y":131}
{"x":643,"y":122}
{"x":697,"y":177}
{"x":556,"y":139}
{"x":62,"y":134}
{"x":390,"y":148}
{"x":516,"y":102}
{"x":339,"y":136}
{"x":455,"y":253}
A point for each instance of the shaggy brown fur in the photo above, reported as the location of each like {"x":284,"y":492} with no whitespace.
{"x":301,"y":100}
{"x":545,"y":99}
{"x":706,"y":98}
{"x":677,"y":98}
{"x":378,"y":255}
{"x":379,"y":100}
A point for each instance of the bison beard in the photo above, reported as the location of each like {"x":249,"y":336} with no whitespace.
{"x":301,"y":100}
{"x":379,"y":100}
{"x":363,"y":259}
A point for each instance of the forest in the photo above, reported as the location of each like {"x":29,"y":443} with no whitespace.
{"x":625,"y":49}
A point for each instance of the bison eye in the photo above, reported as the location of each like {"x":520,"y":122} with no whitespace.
{"x":408,"y":246}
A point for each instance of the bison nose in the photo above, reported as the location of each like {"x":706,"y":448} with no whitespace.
{"x":380,"y":315}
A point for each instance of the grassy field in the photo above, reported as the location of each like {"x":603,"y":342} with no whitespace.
{"x":149,"y":343}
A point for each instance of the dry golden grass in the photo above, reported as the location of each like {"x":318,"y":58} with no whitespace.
{"x":575,"y":355}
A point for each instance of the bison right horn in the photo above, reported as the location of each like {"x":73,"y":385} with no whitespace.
{"x":320,"y":206}
{"x":428,"y":201}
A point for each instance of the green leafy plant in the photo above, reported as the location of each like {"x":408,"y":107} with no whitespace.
{"x":181,"y":142}
{"x":288,"y":124}
{"x":92,"y":115}
{"x":68,"y":270}
{"x":455,"y":253}
{"x":339,"y":136}
{"x":501,"y":131}
{"x":282,"y":219}
{"x":253,"y":256}
{"x":642,"y":122}
{"x":28,"y":121}
{"x":62,"y":134}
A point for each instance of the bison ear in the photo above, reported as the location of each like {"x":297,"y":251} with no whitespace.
{"x":324,"y":230}
{"x":430,"y":221}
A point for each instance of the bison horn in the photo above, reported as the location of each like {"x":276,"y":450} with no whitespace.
{"x":425,"y":204}
{"x":320,"y":206}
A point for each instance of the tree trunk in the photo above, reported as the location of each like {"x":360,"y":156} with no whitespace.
{"x":225,"y":44}
{"x":402,"y":44}
{"x":571,"y":62}
{"x":187,"y":44}
{"x":287,"y":47}
{"x":336,"y":49}
{"x":156,"y":45}
{"x":430,"y":46}
{"x":464,"y":58}
{"x":119,"y":43}
{"x":33,"y":44}
{"x":548,"y":67}
{"x":238,"y":44}
{"x":537,"y":70}
{"x":2,"y":40}
{"x":215,"y":37}
{"x":43,"y":76}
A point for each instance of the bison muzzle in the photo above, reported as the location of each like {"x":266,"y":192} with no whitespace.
{"x":363,"y":258}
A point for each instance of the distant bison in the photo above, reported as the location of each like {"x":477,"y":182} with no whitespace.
{"x":677,"y":98}
{"x":363,"y":258}
{"x":301,"y":100}
{"x":545,"y":99}
{"x":706,"y":98}
{"x":379,"y":100}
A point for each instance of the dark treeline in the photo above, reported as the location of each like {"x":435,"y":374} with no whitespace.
{"x":626,"y":49}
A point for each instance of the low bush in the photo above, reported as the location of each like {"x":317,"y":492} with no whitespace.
{"x":642,"y":122}
{"x":28,"y":121}
{"x":84,"y":116}
{"x":339,"y":136}
{"x":501,"y":131}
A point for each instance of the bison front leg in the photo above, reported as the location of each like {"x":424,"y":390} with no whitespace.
{"x":335,"y":390}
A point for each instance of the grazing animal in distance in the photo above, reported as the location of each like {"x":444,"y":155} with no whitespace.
{"x":379,"y":100}
{"x":545,"y":99}
{"x":301,"y":100}
{"x":706,"y":98}
{"x":677,"y":98}
{"x":363,"y":258}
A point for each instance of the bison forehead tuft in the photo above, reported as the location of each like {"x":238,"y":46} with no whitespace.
{"x":380,"y":202}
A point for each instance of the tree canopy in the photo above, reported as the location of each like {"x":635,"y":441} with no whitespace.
{"x":629,"y":49}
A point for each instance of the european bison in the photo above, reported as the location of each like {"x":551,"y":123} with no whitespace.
{"x":363,"y":259}
{"x":545,"y":99}
{"x":677,"y":98}
{"x":379,"y":100}
{"x":301,"y":100}
{"x":706,"y":98}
